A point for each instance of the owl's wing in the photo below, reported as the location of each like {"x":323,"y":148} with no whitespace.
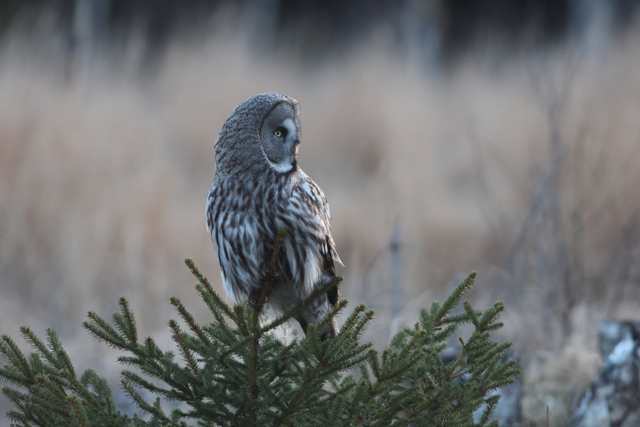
{"x":316,"y":196}
{"x":309,"y":191}
{"x":313,"y":193}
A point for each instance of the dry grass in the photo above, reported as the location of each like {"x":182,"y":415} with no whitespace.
{"x":105,"y":166}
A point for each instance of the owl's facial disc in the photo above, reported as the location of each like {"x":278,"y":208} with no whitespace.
{"x":279,"y":137}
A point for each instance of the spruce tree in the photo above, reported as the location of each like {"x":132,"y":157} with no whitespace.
{"x":231,"y":372}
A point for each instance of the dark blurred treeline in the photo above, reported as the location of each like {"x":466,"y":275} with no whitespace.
{"x":436,"y":28}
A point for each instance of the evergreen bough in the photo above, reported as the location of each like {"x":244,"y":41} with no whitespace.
{"x":229,"y":373}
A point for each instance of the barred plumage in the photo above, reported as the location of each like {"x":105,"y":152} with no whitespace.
{"x":258,"y":189}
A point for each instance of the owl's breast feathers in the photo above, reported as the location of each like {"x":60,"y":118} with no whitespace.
{"x":244,"y":218}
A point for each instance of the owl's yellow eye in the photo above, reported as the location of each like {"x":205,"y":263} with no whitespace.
{"x":280,"y":132}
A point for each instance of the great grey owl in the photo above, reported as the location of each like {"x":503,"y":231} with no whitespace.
{"x":258,"y":188}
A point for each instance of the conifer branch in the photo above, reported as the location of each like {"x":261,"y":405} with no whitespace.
{"x":333,"y":312}
{"x":314,"y":341}
{"x":217,"y":302}
{"x":188,"y":318}
{"x":349,"y":322}
{"x":37,"y":343}
{"x":222,"y":408}
{"x":234,"y":375}
{"x":471,"y":313}
{"x":135,"y":396}
{"x":13,"y":376}
{"x":101,"y":330}
{"x":253,"y":354}
{"x":265,"y":387}
{"x":462,"y":289}
{"x":222,"y":331}
{"x":128,"y":321}
{"x":80,"y":416}
{"x":296,"y":399}
{"x":355,"y":358}
{"x":13,"y":353}
{"x":52,"y":389}
{"x":83,"y":391}
{"x":359,"y":329}
{"x":306,"y":303}
{"x":186,"y":353}
{"x":135,"y":379}
{"x":280,"y":320}
{"x":239,"y":318}
{"x":336,"y":410}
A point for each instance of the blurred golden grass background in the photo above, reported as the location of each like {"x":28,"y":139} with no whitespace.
{"x":105,"y":163}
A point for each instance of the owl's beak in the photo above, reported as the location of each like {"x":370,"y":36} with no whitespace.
{"x":295,"y":149}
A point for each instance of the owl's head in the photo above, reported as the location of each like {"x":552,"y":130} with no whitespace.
{"x":262,"y":133}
